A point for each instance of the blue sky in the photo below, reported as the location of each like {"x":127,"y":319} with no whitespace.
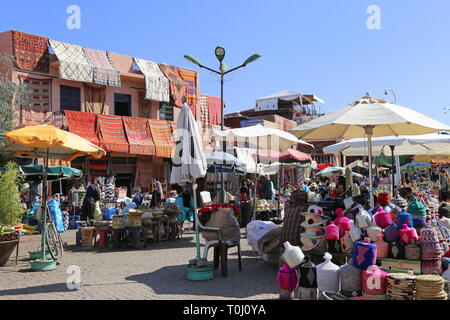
{"x":322,"y":47}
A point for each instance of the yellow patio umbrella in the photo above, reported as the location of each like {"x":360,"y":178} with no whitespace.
{"x":433,"y":158}
{"x":46,"y":142}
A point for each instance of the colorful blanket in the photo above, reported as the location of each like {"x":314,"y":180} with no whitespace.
{"x":73,"y":63}
{"x":215,"y":110}
{"x":94,"y":98}
{"x":162,"y":133}
{"x":98,"y":167}
{"x":83,"y":124}
{"x":113,"y":136}
{"x":204,"y":112}
{"x":178,"y":88}
{"x":156,"y":83}
{"x":190,"y":77}
{"x":30,"y":52}
{"x":39,"y":108}
{"x":104,"y":71}
{"x":139,"y":136}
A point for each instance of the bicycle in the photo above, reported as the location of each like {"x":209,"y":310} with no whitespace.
{"x":53,"y":239}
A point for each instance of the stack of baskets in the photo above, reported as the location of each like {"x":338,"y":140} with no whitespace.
{"x":350,"y":280}
{"x":262,"y":205}
{"x":401,"y":286}
{"x":430,"y":287}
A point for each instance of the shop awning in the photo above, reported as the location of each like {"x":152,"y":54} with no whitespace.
{"x":139,"y":136}
{"x":162,"y":133}
{"x":83,"y":124}
{"x":112,"y":134}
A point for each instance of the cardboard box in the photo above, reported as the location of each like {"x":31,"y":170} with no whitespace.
{"x":87,"y":236}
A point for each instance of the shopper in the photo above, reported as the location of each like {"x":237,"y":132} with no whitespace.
{"x":93,"y":194}
{"x":443,"y":185}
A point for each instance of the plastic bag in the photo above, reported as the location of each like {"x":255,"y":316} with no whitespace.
{"x":97,"y":212}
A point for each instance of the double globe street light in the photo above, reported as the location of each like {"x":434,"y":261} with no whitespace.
{"x":220,"y":55}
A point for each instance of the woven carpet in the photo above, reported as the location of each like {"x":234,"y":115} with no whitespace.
{"x":156,"y":83}
{"x":215,"y":110}
{"x":104,"y":71}
{"x":190,"y":77}
{"x":73,"y":63}
{"x":112,"y":134}
{"x":139,"y":136}
{"x":30,"y":52}
{"x":94,"y":98}
{"x":83,"y":124}
{"x":162,"y":133}
{"x":204,"y":112}
{"x":178,"y":88}
{"x":39,"y":108}
{"x":98,"y":167}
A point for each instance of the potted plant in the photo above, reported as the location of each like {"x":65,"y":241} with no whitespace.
{"x":11,"y":210}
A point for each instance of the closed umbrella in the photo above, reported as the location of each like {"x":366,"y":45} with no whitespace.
{"x":189,"y":164}
{"x":368,"y":117}
{"x":46,"y":142}
{"x":348,"y":178}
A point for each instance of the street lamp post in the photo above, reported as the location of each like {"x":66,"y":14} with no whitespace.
{"x":386,"y":92}
{"x":220,"y":55}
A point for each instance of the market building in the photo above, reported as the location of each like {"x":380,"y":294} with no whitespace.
{"x":285,"y":110}
{"x":126,"y":105}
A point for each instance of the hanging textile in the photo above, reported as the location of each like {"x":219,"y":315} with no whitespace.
{"x":112,"y":134}
{"x":39,"y":108}
{"x":98,"y":167}
{"x":104,"y":71}
{"x":94,"y":98}
{"x":162,"y":133}
{"x":83,"y":124}
{"x":147,"y":108}
{"x":190,"y":77}
{"x":54,"y":162}
{"x":139,"y":136}
{"x":204,"y":112}
{"x":156,"y":83}
{"x":30,"y":52}
{"x":215,"y":111}
{"x":73,"y":63}
{"x":178,"y":88}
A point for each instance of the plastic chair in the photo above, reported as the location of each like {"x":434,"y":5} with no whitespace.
{"x":220,"y":249}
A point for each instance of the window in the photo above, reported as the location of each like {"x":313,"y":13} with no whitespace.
{"x":70,"y":98}
{"x":165,"y":111}
{"x":122,"y":105}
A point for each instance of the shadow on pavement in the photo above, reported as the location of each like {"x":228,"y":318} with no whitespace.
{"x":50,"y":288}
{"x":249,"y":282}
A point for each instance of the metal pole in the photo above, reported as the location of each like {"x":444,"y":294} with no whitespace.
{"x":369,"y":132}
{"x":44,"y":206}
{"x":222,"y":127}
{"x":393,"y":171}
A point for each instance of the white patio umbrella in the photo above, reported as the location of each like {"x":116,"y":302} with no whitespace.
{"x":368,"y":117}
{"x":397,"y":145}
{"x":189,"y":164}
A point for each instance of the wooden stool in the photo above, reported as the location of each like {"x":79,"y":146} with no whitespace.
{"x":104,"y":237}
{"x":135,"y":236}
{"x":119,"y":238}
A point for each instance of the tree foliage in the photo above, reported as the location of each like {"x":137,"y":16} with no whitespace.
{"x":11,"y":210}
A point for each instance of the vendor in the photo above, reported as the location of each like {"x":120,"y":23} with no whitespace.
{"x":338,"y":192}
{"x":266,"y":188}
{"x":138,"y":197}
{"x":93,"y":194}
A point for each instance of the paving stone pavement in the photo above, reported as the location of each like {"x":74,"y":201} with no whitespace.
{"x":155,"y":272}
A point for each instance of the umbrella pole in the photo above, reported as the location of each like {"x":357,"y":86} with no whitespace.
{"x":197,"y":235}
{"x":369,"y":132}
{"x":393,"y":171}
{"x":44,"y":206}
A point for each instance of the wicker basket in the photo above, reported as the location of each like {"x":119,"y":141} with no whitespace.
{"x":447,"y":288}
{"x":350,"y":279}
